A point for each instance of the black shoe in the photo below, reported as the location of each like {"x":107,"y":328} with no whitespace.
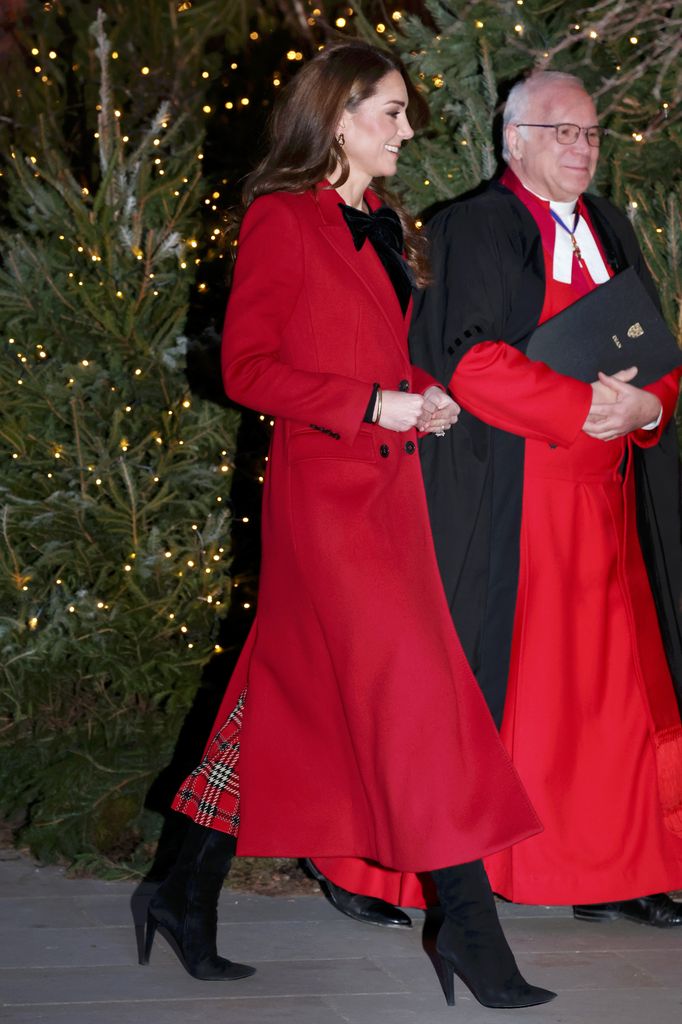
{"x":658,"y":910}
{"x":185,"y":907}
{"x":366,"y":909}
{"x":471,"y":943}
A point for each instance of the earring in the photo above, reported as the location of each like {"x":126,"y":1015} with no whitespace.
{"x":341,"y":139}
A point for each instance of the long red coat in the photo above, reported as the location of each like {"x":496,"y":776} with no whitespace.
{"x":364,"y":732}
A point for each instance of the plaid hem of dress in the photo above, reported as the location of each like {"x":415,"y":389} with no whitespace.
{"x":210,"y":795}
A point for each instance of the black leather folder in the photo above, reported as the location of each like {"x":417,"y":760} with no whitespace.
{"x":615,"y":326}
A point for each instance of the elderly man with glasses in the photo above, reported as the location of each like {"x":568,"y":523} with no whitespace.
{"x":534,"y":506}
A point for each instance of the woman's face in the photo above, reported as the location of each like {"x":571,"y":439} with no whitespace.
{"x":376,"y":129}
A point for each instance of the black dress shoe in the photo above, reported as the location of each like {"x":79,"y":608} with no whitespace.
{"x":658,"y":910}
{"x":366,"y":909}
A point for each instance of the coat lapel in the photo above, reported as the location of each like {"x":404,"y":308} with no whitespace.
{"x":369,"y":269}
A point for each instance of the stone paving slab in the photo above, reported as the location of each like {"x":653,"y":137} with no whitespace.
{"x":68,"y":956}
{"x":40,"y":948}
{"x":19,"y":872}
{"x":663,"y":965}
{"x":289,"y":978}
{"x":42,"y":912}
{"x":563,"y":933}
{"x":583,"y":1007}
{"x":303,"y":1010}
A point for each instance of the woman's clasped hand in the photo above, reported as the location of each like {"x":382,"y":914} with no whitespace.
{"x":433,"y":412}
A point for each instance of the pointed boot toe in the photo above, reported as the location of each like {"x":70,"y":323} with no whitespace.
{"x":472,"y":945}
{"x":200,"y":962}
{"x":185,"y":907}
{"x":512,"y":993}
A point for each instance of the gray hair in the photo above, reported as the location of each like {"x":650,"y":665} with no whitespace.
{"x":519,"y":98}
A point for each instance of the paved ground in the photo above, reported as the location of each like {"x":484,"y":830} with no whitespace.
{"x":68,"y":956}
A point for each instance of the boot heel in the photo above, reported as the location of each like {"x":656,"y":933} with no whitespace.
{"x":152,"y":925}
{"x":446,"y":973}
{"x":472,"y":945}
{"x":184,"y":908}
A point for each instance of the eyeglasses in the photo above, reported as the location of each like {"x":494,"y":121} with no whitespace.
{"x":568,"y":134}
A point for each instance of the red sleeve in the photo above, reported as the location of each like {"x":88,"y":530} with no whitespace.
{"x":504,"y":388}
{"x":268,"y":281}
{"x":667,"y":391}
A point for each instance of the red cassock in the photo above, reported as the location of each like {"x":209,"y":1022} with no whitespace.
{"x":590,"y":694}
{"x":589,"y":683}
{"x":363,"y":732}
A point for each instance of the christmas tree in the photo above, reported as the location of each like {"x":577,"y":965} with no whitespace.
{"x":466,"y":56}
{"x":124,"y":138}
{"x":114,"y":559}
{"x":124,"y":142}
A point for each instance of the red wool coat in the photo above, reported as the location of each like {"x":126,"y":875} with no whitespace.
{"x":364,"y":732}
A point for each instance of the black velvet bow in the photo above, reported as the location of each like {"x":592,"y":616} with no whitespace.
{"x":385,"y":232}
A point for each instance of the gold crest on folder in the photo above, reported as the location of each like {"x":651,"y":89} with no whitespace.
{"x":635,"y":330}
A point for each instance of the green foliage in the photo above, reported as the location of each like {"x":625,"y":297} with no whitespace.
{"x":114,"y":554}
{"x":102,"y":462}
{"x":471,"y":52}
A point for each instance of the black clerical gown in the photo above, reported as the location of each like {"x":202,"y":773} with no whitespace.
{"x":474,"y":474}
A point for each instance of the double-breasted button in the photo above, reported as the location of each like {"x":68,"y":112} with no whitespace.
{"x":404,"y":385}
{"x":410,"y":447}
{"x":384,"y":451}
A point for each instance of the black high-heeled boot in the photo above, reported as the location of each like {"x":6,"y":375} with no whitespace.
{"x":185,"y":906}
{"x":472,"y":945}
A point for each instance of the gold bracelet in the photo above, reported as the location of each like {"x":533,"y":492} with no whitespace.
{"x":377,"y":408}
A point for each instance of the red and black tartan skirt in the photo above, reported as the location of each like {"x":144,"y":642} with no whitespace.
{"x":210,"y":795}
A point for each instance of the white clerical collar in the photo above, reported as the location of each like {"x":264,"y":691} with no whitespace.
{"x":563,"y":259}
{"x":564,"y":210}
{"x":562,"y":263}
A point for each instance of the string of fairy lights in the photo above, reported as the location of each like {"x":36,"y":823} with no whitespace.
{"x":150,"y":282}
{"x":203,"y":559}
{"x":214,"y":244}
{"x":342,"y":21}
{"x":165,"y":439}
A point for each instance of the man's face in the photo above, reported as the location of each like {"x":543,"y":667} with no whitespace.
{"x":543,"y":164}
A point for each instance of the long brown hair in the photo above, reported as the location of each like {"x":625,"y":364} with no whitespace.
{"x":303,"y":148}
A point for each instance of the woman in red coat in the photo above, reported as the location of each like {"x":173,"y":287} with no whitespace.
{"x":352,"y":725}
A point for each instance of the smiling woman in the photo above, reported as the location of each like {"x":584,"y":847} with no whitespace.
{"x":343,"y":733}
{"x":373,"y":131}
{"x":308,"y":142}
